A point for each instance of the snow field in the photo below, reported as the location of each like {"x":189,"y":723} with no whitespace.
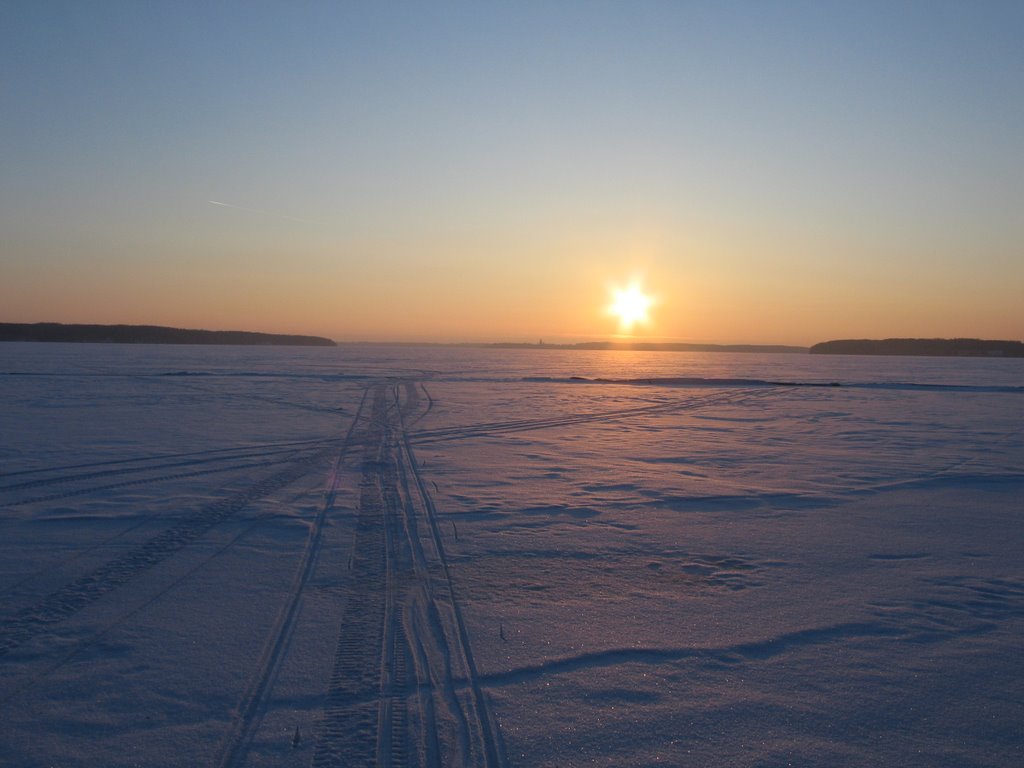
{"x":414,"y":558}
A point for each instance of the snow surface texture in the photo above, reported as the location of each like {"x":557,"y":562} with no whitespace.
{"x":443,"y":557}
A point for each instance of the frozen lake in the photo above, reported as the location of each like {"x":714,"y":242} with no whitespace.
{"x":441,"y":556}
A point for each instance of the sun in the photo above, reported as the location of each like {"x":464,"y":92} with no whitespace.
{"x":630,"y":305}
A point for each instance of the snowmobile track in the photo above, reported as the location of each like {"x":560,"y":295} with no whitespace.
{"x":213,"y":453}
{"x":116,"y":472}
{"x":403,"y":691}
{"x":157,"y":479}
{"x":254,"y":703}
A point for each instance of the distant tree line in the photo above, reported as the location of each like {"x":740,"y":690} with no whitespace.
{"x":929,"y":347}
{"x":149,"y":334}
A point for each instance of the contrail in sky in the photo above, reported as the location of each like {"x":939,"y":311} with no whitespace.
{"x":255,"y":210}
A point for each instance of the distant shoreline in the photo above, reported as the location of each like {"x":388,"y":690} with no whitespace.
{"x":149,"y":334}
{"x":921,"y":347}
{"x":881,"y":347}
{"x":158,"y":334}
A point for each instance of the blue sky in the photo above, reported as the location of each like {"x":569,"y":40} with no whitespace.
{"x":774,"y":172}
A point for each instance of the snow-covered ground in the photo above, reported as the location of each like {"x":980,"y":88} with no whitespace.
{"x":416,"y":556}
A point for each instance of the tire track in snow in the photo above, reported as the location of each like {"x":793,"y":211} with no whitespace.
{"x":42,"y":617}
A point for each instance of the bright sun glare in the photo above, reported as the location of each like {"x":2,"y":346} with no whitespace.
{"x":630,"y":305}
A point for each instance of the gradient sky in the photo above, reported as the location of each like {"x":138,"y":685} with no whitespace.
{"x":776,"y":172}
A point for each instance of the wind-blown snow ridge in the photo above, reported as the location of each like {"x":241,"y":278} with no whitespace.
{"x":1004,"y":601}
{"x":762,"y":649}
